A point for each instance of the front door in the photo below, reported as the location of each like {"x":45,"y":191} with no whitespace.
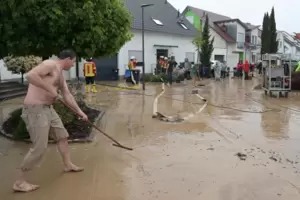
{"x":161,"y":52}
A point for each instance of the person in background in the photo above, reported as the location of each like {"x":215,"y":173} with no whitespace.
{"x":223,"y":69}
{"x":194,"y":73}
{"x":172,"y":65}
{"x":132,"y":63}
{"x":298,"y":68}
{"x":131,"y":66}
{"x":90,"y":72}
{"x":217,"y":71}
{"x":246,"y":68}
{"x":160,"y":63}
{"x":239,"y":68}
{"x":259,"y":67}
{"x":252,"y":69}
{"x":203,"y":71}
{"x":187,"y":68}
{"x":165,"y":65}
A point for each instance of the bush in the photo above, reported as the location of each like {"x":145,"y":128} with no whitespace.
{"x":155,"y":78}
{"x":15,"y":126}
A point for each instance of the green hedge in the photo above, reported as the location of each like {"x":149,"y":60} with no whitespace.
{"x":155,"y":78}
{"x":158,"y":77}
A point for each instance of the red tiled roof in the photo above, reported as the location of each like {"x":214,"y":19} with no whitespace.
{"x":222,"y":33}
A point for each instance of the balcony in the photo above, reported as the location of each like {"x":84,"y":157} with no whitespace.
{"x":240,"y":45}
{"x":251,"y":46}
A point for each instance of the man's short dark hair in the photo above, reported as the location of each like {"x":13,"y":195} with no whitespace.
{"x":67,"y":53}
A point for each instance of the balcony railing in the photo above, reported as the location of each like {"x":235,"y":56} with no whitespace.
{"x":240,"y":45}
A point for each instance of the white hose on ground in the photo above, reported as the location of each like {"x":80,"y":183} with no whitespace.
{"x":198,"y":111}
{"x":156,"y":99}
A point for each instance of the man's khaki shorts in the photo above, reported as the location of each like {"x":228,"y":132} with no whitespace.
{"x":42,"y":121}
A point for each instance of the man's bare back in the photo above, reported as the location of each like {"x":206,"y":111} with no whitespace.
{"x":54,"y":79}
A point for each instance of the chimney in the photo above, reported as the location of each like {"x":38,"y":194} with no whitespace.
{"x":298,"y":36}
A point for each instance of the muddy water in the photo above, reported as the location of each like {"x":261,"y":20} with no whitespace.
{"x":194,"y":159}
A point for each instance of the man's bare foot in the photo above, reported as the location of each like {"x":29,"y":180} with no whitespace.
{"x":24,"y":187}
{"x":73,"y":168}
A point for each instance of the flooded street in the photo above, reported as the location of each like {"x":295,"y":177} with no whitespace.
{"x":241,"y":146}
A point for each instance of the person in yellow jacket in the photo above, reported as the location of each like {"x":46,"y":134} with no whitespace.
{"x":165,"y":65}
{"x":90,"y":72}
{"x":298,"y":68}
{"x":131,"y":66}
{"x":132,"y":63}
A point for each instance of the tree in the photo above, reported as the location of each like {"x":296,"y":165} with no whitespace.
{"x":22,"y":64}
{"x":42,"y":28}
{"x":207,"y":45}
{"x":265,"y":37}
{"x":273,"y":33}
{"x":197,"y":42}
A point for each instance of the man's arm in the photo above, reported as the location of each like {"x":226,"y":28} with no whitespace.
{"x":68,"y":97}
{"x":35,"y":75}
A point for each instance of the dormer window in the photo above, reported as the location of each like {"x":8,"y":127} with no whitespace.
{"x":183,"y":26}
{"x":157,"y":22}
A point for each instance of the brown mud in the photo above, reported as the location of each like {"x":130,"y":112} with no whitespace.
{"x":199,"y":158}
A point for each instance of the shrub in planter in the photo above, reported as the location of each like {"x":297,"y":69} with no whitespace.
{"x":155,"y":78}
{"x":15,"y":126}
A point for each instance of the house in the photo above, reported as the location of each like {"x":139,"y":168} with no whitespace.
{"x":234,"y":40}
{"x":289,"y":44}
{"x":167,"y":33}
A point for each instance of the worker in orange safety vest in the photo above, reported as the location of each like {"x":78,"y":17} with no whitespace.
{"x":131,"y":66}
{"x":160,"y":62}
{"x":90,"y":72}
{"x":132,"y":63}
{"x":165,"y":65}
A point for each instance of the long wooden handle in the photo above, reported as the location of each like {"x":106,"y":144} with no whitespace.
{"x":117,"y":144}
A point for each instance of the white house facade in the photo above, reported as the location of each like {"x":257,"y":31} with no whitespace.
{"x":180,"y":47}
{"x":288,"y":44}
{"x":220,"y":46}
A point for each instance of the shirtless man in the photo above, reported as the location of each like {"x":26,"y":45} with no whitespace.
{"x":41,"y":119}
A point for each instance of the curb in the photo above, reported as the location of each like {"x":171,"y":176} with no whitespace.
{"x":82,"y":140}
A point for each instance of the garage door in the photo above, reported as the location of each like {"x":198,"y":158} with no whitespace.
{"x":107,"y":68}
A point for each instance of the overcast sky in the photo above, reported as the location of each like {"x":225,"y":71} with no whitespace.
{"x":287,"y":12}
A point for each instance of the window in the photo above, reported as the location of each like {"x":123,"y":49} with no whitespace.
{"x":183,"y":26}
{"x":190,"y":19}
{"x":158,"y":22}
{"x":241,"y":37}
{"x":137,"y":54}
{"x":254,"y":39}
